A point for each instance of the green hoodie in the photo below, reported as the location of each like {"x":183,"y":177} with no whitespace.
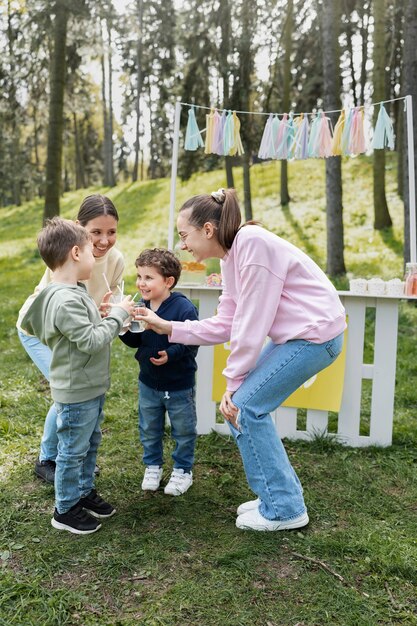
{"x":67,"y":320}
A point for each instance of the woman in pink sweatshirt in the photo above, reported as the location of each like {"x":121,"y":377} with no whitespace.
{"x":271,"y":290}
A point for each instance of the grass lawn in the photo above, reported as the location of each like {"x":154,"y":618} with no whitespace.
{"x":181,"y":561}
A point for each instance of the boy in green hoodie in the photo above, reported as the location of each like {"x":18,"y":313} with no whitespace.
{"x":66,"y":318}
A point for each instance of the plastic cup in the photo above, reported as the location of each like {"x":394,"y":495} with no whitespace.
{"x":138,"y":326}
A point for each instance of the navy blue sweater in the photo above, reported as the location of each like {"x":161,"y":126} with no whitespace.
{"x":179,"y":372}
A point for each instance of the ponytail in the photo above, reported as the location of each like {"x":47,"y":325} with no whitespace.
{"x":221,"y":208}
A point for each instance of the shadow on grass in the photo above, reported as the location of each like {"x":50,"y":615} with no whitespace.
{"x":390,"y":241}
{"x":312,"y":250}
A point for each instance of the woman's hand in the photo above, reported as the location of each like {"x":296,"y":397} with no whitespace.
{"x":228,"y":409}
{"x":153,"y":321}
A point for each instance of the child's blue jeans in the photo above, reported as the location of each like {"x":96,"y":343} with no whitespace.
{"x":41,"y":356}
{"x":180,"y":406}
{"x":79,"y":436}
{"x":280,"y":370}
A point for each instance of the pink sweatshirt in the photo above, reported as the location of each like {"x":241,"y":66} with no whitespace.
{"x":271,"y":289}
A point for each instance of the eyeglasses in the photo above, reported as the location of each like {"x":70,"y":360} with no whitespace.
{"x":183,"y":237}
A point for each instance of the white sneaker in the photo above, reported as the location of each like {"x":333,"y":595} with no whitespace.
{"x":253,"y":520}
{"x":179,"y":482}
{"x":248,"y":506}
{"x":152,"y":478}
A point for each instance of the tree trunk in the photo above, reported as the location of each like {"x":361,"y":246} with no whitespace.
{"x":409,"y":88}
{"x":364,"y":36}
{"x":138,"y":90}
{"x":112,"y":180}
{"x":382,"y":217}
{"x":106,"y":181}
{"x":79,"y":165}
{"x":12,"y":113}
{"x":56,"y":112}
{"x":331,"y":80}
{"x":285,"y":196}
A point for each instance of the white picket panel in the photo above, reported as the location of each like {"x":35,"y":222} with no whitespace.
{"x":381,"y":372}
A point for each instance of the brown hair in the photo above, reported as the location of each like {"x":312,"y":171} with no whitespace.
{"x":224,"y":213}
{"x":164,"y":261}
{"x":57,"y":238}
{"x":94,"y":206}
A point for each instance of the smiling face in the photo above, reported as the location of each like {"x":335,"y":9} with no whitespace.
{"x":103,"y":231}
{"x":152,"y":285}
{"x":200,"y":242}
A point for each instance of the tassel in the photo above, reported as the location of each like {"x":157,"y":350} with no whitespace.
{"x":209,"y":132}
{"x":281,"y":151}
{"x":337,"y":134}
{"x":237,"y":142}
{"x":357,"y":135}
{"x":301,"y":137}
{"x":272,"y":149}
{"x":312,"y":142}
{"x":346,"y":134}
{"x":263,"y":152}
{"x":384,"y":131}
{"x":193,"y":139}
{"x":217,"y":146}
{"x":228,"y":134}
{"x":291,"y":137}
{"x":324,"y":137}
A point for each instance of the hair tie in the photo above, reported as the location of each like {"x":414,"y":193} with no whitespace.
{"x":219,"y":195}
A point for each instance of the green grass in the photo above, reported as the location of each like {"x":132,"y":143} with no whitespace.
{"x":181,"y":561}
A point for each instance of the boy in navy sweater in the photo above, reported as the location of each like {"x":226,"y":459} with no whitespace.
{"x":166,"y":376}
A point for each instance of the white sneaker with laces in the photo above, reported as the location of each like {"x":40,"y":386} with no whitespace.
{"x":179,"y":482}
{"x":253,"y":520}
{"x":248,"y":506}
{"x":152,"y":478}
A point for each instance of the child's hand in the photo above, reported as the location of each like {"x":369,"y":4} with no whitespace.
{"x":163,"y":358}
{"x":127,"y":304}
{"x":104,"y":307}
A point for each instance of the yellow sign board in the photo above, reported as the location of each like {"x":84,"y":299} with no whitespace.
{"x":322,"y":392}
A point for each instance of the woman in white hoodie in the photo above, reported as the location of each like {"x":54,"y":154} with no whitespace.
{"x":271,"y":290}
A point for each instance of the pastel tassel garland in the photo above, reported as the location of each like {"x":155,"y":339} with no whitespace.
{"x":193,"y":139}
{"x":384,"y":131}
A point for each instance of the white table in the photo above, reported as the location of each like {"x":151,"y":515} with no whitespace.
{"x":381,"y":372}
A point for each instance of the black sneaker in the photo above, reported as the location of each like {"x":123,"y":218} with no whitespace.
{"x":94,"y":504}
{"x":45,"y":470}
{"x":76,"y":521}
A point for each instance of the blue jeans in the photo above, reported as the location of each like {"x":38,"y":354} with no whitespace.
{"x":280,"y":370}
{"x":41,"y":356}
{"x":79,"y":436}
{"x":180,"y":406}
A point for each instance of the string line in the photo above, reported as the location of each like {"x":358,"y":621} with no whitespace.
{"x":372,"y":104}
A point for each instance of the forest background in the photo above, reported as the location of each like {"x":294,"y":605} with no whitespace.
{"x":58,"y":130}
